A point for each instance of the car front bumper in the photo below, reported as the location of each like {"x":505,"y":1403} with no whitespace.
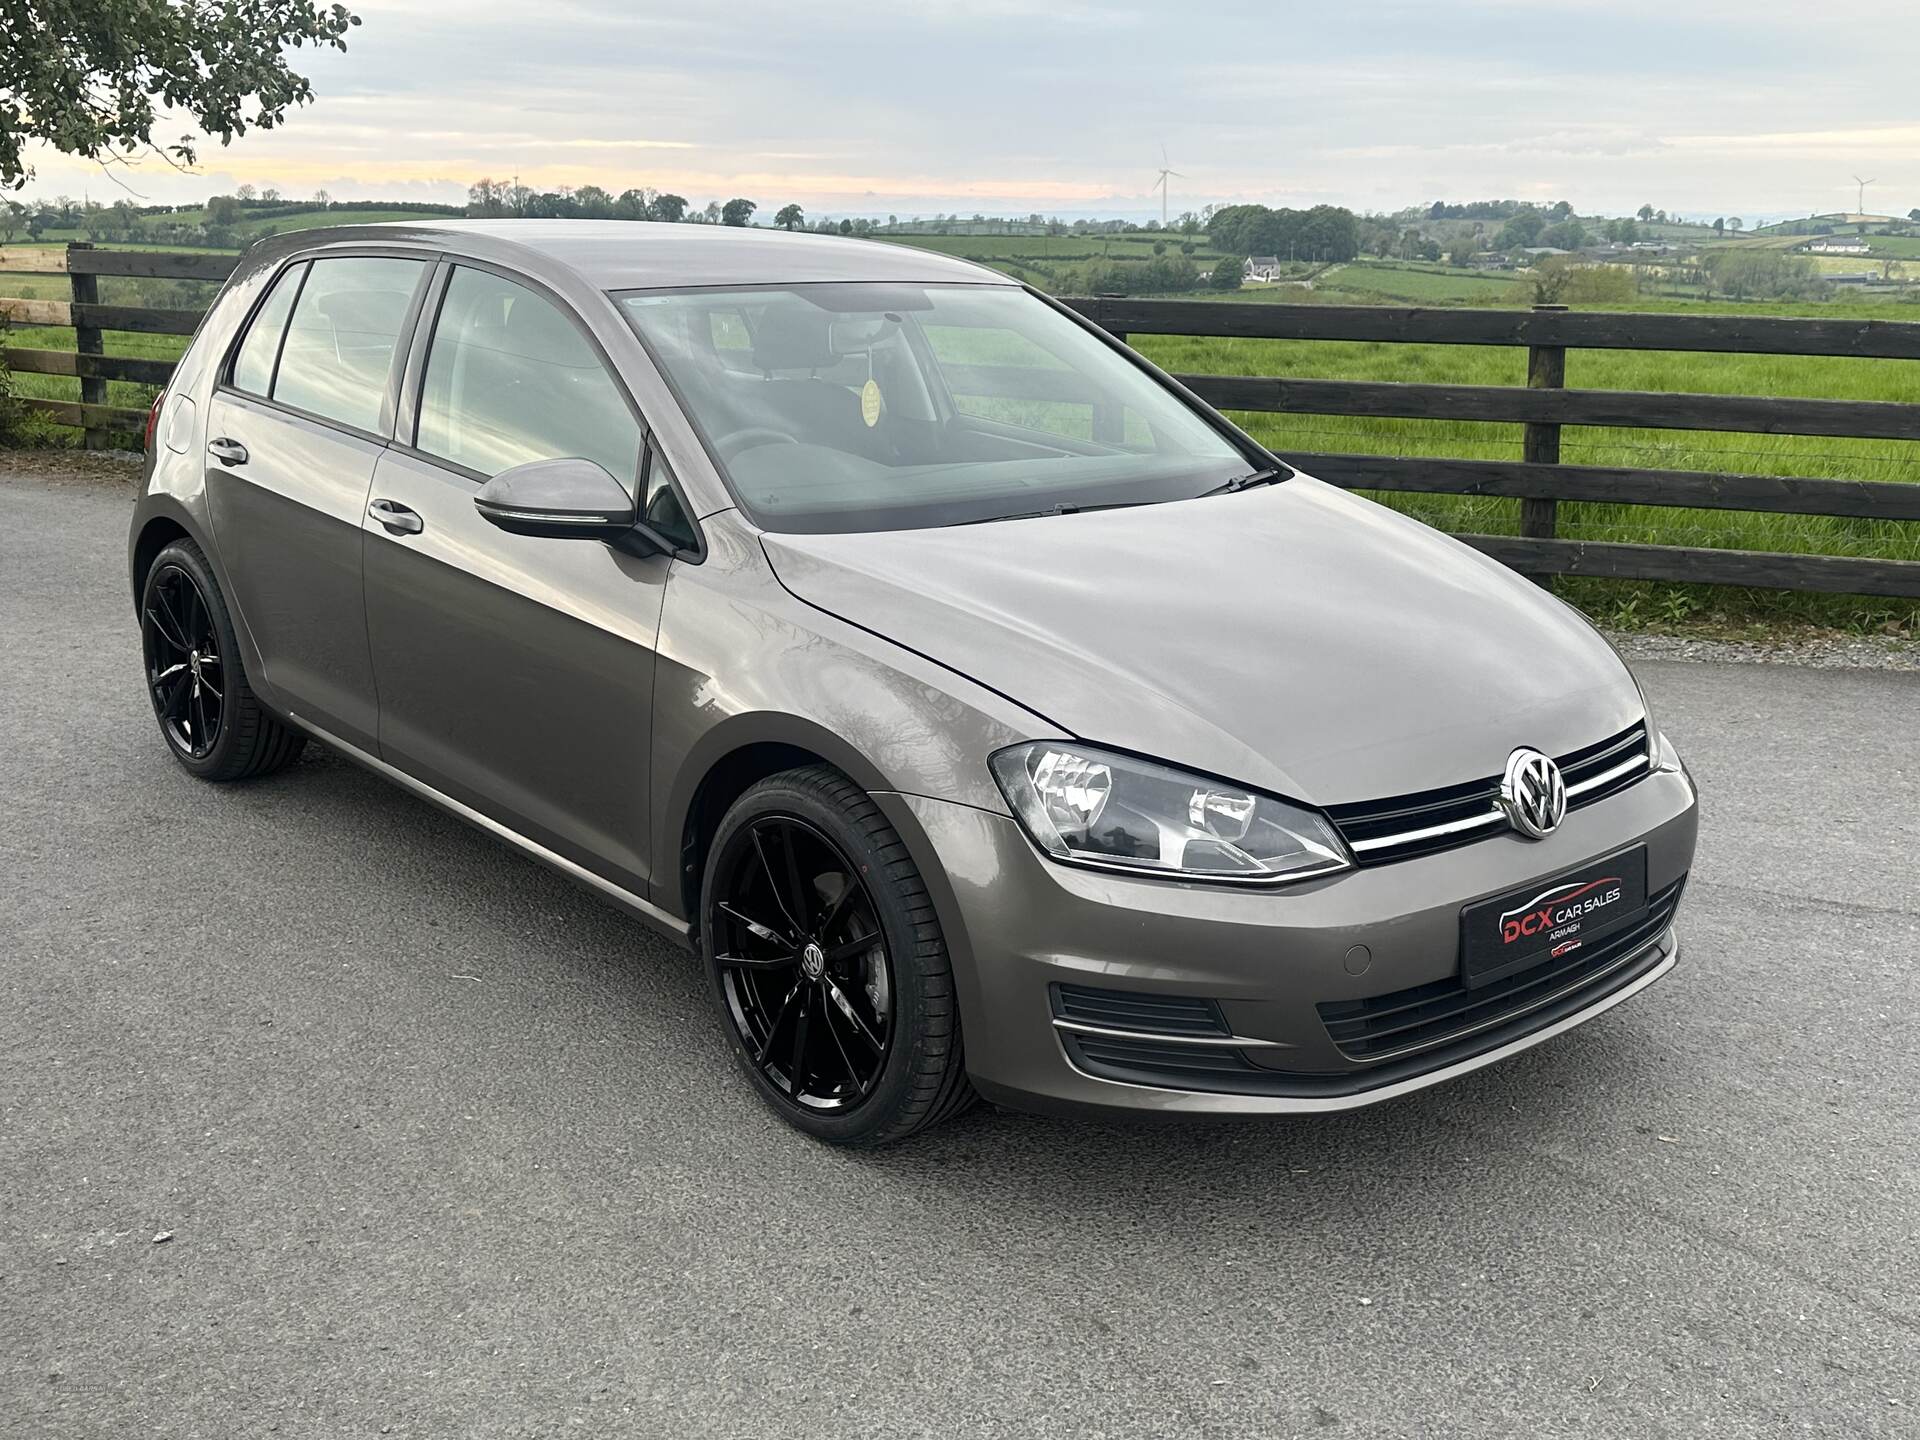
{"x":1024,"y":931}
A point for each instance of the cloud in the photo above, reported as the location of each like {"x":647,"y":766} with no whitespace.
{"x":1015,"y":104}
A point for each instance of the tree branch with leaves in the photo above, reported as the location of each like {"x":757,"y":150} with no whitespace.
{"x":95,"y":77}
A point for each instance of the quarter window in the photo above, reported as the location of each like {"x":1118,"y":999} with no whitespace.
{"x":253,"y":361}
{"x":342,"y":337}
{"x":663,"y":511}
{"x":510,"y":379}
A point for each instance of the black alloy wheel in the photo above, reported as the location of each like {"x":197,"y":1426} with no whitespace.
{"x":196,"y":678}
{"x":804,"y":968}
{"x":186,"y":674}
{"x":828,"y":962}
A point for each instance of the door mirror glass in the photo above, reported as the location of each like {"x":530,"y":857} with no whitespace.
{"x":569,"y":498}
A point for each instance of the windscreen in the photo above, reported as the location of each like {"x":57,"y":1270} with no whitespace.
{"x":851,"y":407}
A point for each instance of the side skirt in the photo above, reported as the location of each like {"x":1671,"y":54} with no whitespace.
{"x":671,"y":927}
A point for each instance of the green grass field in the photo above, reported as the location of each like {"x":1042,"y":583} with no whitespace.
{"x":1657,"y":449}
{"x":1411,"y":283}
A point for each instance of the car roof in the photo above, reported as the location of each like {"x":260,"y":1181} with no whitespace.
{"x":636,"y":255}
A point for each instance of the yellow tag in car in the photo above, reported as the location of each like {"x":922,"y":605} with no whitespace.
{"x":870,"y":403}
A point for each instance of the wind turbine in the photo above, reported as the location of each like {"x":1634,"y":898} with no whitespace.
{"x":1863,"y":184}
{"x":1162,"y":184}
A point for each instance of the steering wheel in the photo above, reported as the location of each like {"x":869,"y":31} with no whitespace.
{"x":752,"y":438}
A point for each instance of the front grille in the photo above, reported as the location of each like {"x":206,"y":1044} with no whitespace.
{"x":1130,"y":1010}
{"x":1382,"y":1026}
{"x":1405,"y":826}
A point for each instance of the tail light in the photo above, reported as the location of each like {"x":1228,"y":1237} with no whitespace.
{"x":153,"y":419}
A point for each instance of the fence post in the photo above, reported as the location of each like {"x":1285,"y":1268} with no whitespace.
{"x":87,"y":341}
{"x":1546,"y":370}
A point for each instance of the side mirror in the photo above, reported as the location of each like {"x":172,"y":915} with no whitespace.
{"x":558,"y":499}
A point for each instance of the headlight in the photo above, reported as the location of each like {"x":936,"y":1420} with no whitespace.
{"x":1093,"y":807}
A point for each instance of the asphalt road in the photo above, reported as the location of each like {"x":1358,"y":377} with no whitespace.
{"x":447,"y":1147}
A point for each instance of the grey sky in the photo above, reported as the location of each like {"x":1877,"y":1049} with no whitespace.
{"x":1729,"y":106}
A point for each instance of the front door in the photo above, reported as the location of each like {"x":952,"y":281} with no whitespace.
{"x":293,"y":435}
{"x":515,"y":674}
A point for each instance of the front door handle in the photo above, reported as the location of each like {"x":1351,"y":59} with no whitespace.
{"x":229,"y":452}
{"x":398,"y":519}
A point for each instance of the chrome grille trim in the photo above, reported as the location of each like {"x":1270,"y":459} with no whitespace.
{"x":1431,"y":832}
{"x":1237,"y":1042}
{"x":1402,"y":827}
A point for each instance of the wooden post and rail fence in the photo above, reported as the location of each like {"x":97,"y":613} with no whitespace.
{"x":1538,"y":480}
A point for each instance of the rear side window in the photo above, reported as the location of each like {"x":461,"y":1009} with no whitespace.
{"x":511,"y":379}
{"x":253,"y":361}
{"x":342,"y":337}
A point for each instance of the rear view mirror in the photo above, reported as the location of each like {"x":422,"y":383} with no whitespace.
{"x":558,"y":499}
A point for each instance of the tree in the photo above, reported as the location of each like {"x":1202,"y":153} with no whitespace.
{"x":322,"y":199}
{"x":1645,"y":212}
{"x":1523,"y":229}
{"x":270,"y":196}
{"x":245,"y":194}
{"x":593,"y":203}
{"x":635,"y":204}
{"x":1736,"y":224}
{"x":1567,"y":235}
{"x":12,"y":217}
{"x":737,"y":211}
{"x":487,"y":196}
{"x":1559,"y":280}
{"x":670,"y":209}
{"x":790,"y":217}
{"x":1228,"y":272}
{"x":1741,"y":273}
{"x":846,"y":227}
{"x":1914,"y":215}
{"x":223,"y":210}
{"x":94,"y":79}
{"x":1720,"y":226}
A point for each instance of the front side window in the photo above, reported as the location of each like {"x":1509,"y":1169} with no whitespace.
{"x":341,"y":340}
{"x":885,"y":406}
{"x":253,"y":361}
{"x":511,"y":379}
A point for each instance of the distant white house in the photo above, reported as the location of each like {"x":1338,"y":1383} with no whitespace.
{"x":1263,"y":267}
{"x":1838,"y":247}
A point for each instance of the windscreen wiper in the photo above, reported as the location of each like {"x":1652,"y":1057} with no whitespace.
{"x":1271,"y":475}
{"x":1056,"y":510}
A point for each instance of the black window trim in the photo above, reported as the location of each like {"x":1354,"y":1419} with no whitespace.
{"x":405,"y":427}
{"x":224,"y":385}
{"x":245,"y":330}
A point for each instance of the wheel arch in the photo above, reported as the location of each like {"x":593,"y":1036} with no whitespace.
{"x":158,"y":521}
{"x":730,"y":759}
{"x":159,"y":530}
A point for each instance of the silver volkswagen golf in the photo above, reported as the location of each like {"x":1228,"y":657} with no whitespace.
{"x":989,"y":714}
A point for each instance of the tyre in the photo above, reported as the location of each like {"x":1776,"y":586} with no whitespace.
{"x":827,"y":963}
{"x":212,"y":721}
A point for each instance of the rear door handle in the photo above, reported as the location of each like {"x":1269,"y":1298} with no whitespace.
{"x":230,"y":452}
{"x":398,"y":519}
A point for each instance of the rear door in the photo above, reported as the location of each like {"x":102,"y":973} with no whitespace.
{"x":515,"y":674}
{"x":293,"y":432}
